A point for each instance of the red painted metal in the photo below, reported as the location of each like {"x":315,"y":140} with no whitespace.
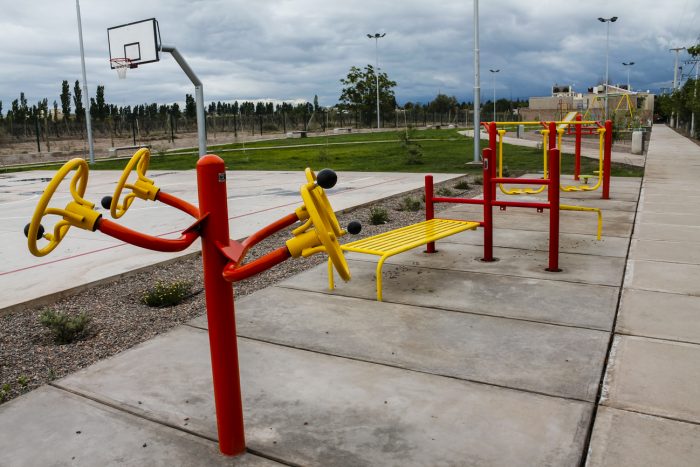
{"x":521,"y":181}
{"x":607,"y":155}
{"x":554,"y":210}
{"x":487,"y":155}
{"x":178,"y":203}
{"x":211,"y":180}
{"x":235,"y":273}
{"x":429,"y":208}
{"x":552,"y":144}
{"x":577,"y":152}
{"x":521,"y":204}
{"x":146,"y":241}
{"x":457,"y":200}
{"x":493,"y":145}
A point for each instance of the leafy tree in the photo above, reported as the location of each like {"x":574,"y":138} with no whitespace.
{"x":359,"y":92}
{"x":0,"y":110}
{"x":78,"y":102}
{"x":315,"y":102}
{"x":65,"y":98}
{"x":100,"y":105}
{"x":190,"y":106}
{"x":175,"y":110}
{"x":442,"y":103}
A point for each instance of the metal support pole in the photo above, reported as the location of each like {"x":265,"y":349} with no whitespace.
{"x":607,"y":155}
{"x":477,"y":86}
{"x":211,"y":180}
{"x":429,"y":208}
{"x":198,"y":96}
{"x":551,"y":144}
{"x":577,"y":152}
{"x":607,"y":61}
{"x":553,"y":190}
{"x":695,"y":95}
{"x":493,"y":142}
{"x":86,"y":94}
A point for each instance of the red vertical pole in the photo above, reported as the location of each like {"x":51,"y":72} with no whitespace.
{"x":553,"y":210}
{"x":493,"y":145}
{"x":607,"y":155}
{"x":488,"y":207}
{"x":211,"y":182}
{"x":577,"y":158}
{"x":429,"y":208}
{"x":552,"y":145}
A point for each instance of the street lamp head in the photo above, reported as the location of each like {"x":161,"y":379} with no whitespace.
{"x":383,"y":35}
{"x":613,"y":19}
{"x":602,"y":20}
{"x":370,"y":36}
{"x":376,"y":36}
{"x":494,"y":71}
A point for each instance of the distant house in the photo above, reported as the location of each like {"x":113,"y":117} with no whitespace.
{"x":624,"y":104}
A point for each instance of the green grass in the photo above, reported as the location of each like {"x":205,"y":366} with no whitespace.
{"x":444,"y":151}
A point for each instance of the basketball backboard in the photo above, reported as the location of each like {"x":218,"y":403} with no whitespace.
{"x":139,"y":42}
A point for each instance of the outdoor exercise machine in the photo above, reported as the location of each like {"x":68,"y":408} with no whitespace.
{"x":552,"y":137}
{"x":222,"y":257}
{"x":400,"y":240}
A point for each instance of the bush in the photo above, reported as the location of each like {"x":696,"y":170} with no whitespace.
{"x":409,"y":204}
{"x":462,"y":185}
{"x":164,"y":294}
{"x":478,"y":181}
{"x":65,"y":328}
{"x":378,"y":216}
{"x":444,"y":191}
{"x":505,"y":171}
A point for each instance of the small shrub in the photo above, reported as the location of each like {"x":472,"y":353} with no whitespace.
{"x":409,"y":204}
{"x":164,"y":294}
{"x":65,"y":328}
{"x":478,"y":181}
{"x":378,"y":216}
{"x":505,"y":171}
{"x":462,"y":185}
{"x":23,"y":381}
{"x":444,"y":191}
{"x":4,"y":392}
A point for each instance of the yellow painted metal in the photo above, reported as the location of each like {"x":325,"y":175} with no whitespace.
{"x":560,"y":122}
{"x":397,"y":241}
{"x":143,"y":188}
{"x":78,"y":213}
{"x":514,"y":191}
{"x":585,"y":187}
{"x":566,"y":207}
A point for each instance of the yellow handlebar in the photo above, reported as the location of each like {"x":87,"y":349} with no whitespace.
{"x":143,"y":187}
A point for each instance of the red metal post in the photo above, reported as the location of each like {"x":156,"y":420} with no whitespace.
{"x":429,"y":208}
{"x":211,"y":180}
{"x":552,"y":145}
{"x":488,"y":208}
{"x":607,"y":155}
{"x":493,"y":145}
{"x":553,"y":210}
{"x":577,"y":158}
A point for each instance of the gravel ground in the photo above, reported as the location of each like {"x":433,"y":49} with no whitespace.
{"x":29,"y":358}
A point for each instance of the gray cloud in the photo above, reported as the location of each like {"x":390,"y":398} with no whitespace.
{"x":293,"y":49}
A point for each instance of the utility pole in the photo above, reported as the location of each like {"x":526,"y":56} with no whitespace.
{"x":376,"y":38}
{"x":607,"y":57}
{"x":477,"y":87}
{"x":696,"y":62}
{"x":674,"y":115}
{"x":627,"y":66}
{"x":86,"y":94}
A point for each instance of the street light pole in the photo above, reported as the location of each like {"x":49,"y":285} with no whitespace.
{"x":607,"y":57}
{"x":493,"y":75}
{"x":628,"y":65}
{"x":86,"y":94}
{"x":376,"y":38}
{"x":477,"y":87}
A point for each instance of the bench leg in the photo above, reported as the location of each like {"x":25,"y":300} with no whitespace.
{"x":331,"y":284}
{"x":379,"y":278}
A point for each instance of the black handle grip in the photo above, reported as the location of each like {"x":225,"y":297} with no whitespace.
{"x":326,"y":178}
{"x":39,"y":233}
{"x":354,"y":228}
{"x":106,"y":202}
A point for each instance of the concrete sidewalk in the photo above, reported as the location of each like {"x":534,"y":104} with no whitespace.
{"x":255,"y":199}
{"x":464,"y":363}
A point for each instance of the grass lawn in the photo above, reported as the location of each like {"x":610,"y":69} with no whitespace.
{"x":444,"y":151}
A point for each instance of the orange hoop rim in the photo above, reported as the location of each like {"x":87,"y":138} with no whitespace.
{"x":120,"y":62}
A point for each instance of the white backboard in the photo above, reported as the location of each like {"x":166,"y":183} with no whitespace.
{"x":138,"y":41}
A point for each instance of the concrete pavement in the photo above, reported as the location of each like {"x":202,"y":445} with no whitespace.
{"x":464,"y":363}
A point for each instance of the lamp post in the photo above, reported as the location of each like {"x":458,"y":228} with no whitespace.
{"x":376,"y":38}
{"x":628,"y":65}
{"x":493,"y":75}
{"x":607,"y":57}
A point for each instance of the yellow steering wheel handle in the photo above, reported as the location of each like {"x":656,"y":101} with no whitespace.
{"x":321,"y":230}
{"x":78,"y":213}
{"x":143,"y":187}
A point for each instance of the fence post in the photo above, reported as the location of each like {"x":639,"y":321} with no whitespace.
{"x":211,"y":182}
{"x":577,"y":157}
{"x":607,"y":155}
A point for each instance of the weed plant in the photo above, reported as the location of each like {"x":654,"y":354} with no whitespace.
{"x":164,"y":294}
{"x":65,"y":328}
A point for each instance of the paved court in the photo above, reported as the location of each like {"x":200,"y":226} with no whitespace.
{"x":255,"y":199}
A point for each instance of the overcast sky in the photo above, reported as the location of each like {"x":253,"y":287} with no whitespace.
{"x":293,"y":49}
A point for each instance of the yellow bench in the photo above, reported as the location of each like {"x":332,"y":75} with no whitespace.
{"x":397,"y":241}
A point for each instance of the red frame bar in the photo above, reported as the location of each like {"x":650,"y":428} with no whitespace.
{"x":522,"y":181}
{"x":458,"y":200}
{"x":234,"y":273}
{"x":178,"y":203}
{"x":488,"y":158}
{"x":493,"y":141}
{"x":521,"y":204}
{"x":150,"y":242}
{"x":607,"y":156}
{"x":577,"y":151}
{"x":211,"y":182}
{"x":429,"y":208}
{"x":554,"y":210}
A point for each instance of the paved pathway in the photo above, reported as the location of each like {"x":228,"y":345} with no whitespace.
{"x":463,"y":363}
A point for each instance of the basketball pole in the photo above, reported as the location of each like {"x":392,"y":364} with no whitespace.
{"x":86,"y":96}
{"x":198,"y":96}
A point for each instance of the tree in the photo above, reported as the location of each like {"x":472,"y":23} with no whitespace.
{"x":315,"y":103}
{"x":0,"y":110}
{"x":360,"y":92}
{"x":100,"y":105}
{"x":442,"y":103}
{"x":190,"y":106}
{"x":78,"y":102}
{"x":65,"y":98}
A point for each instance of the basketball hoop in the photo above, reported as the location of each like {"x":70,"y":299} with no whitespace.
{"x":121,"y":65}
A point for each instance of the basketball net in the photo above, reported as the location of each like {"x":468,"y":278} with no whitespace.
{"x":121,"y":65}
